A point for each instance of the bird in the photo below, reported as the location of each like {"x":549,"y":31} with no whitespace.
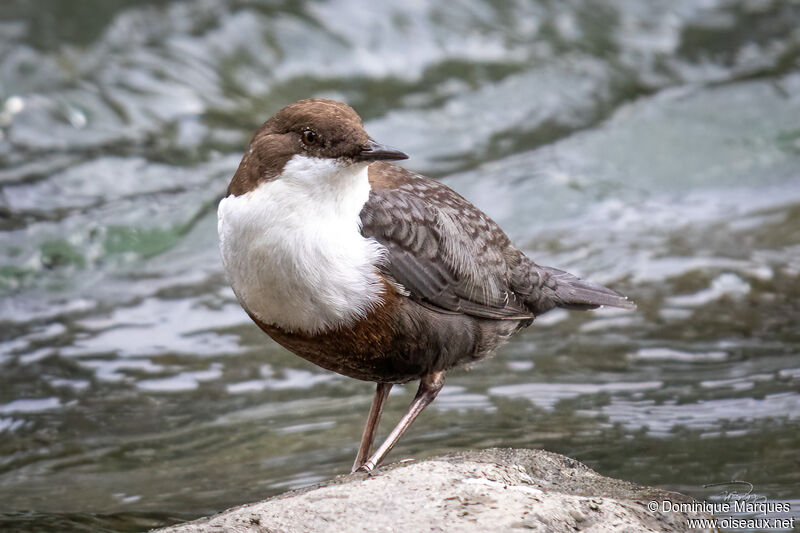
{"x":367,"y":269}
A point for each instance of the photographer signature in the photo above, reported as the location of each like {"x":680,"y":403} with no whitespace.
{"x":739,"y":491}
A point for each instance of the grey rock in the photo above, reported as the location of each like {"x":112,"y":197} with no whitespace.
{"x":475,"y":491}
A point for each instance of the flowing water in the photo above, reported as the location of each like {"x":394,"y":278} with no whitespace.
{"x":650,"y":146}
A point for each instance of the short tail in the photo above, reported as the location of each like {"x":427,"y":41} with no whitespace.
{"x":574,"y":293}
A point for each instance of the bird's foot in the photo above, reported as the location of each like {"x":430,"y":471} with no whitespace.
{"x":367,"y":468}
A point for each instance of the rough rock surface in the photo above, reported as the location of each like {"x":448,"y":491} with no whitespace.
{"x":476,"y":491}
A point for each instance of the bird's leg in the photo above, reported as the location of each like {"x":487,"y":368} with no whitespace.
{"x":429,"y":387}
{"x":371,"y":426}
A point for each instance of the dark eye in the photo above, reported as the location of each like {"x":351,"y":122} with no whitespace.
{"x":309,"y":137}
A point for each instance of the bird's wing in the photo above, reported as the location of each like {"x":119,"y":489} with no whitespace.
{"x":443,"y":250}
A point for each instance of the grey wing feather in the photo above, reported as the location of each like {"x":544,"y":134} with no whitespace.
{"x":450,"y":256}
{"x":441,"y":250}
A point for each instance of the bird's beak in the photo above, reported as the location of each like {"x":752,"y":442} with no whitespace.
{"x":378,"y":152}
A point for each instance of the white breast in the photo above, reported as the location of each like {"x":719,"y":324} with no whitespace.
{"x":293,"y":248}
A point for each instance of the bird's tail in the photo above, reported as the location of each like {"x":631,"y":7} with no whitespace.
{"x":572,"y":292}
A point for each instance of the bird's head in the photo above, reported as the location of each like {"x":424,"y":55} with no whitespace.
{"x":319,"y":136}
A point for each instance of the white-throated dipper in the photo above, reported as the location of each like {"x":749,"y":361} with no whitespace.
{"x":372,"y":271}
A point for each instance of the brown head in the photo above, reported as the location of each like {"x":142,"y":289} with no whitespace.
{"x":316,"y":128}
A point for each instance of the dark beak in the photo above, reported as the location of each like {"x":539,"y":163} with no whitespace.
{"x":378,"y":152}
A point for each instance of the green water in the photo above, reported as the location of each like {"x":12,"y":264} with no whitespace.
{"x":650,"y":146}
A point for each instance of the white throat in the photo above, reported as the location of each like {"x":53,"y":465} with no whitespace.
{"x":294,"y":251}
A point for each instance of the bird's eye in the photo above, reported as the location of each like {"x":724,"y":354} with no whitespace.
{"x":309,"y":137}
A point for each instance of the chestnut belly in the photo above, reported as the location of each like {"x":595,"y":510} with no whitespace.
{"x":398,"y":342}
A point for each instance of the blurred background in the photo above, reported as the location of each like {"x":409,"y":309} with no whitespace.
{"x":650,"y":146}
